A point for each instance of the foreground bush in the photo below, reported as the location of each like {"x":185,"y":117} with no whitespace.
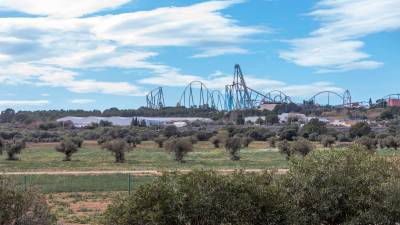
{"x":201,"y":198}
{"x":343,"y":187}
{"x":336,"y":187}
{"x":19,"y":207}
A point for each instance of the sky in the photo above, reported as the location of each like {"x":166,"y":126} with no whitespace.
{"x":98,"y":54}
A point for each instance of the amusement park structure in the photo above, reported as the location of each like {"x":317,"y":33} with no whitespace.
{"x":239,"y":96}
{"x":155,"y":99}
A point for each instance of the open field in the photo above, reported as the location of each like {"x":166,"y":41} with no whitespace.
{"x":147,"y":156}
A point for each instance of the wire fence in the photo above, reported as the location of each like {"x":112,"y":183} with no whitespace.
{"x":80,"y":183}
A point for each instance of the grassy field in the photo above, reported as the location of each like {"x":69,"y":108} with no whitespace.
{"x":147,"y":156}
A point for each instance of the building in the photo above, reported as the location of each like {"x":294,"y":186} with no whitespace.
{"x":126,"y":121}
{"x":393,"y":102}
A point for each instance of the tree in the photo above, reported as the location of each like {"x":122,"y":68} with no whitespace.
{"x":288,"y":132}
{"x":180,"y":147}
{"x":260,"y":121}
{"x":246,"y":141}
{"x":215,"y":141}
{"x":233,"y":146}
{"x":68,"y":147}
{"x":160,"y":141}
{"x":219,"y":138}
{"x":271,"y":118}
{"x":170,"y":131}
{"x":12,"y":148}
{"x":118,"y":147}
{"x":314,"y":126}
{"x":301,"y":146}
{"x":240,"y":120}
{"x":285,"y":149}
{"x":367,"y":142}
{"x":22,"y":207}
{"x":328,"y":141}
{"x":342,"y":187}
{"x":360,"y":129}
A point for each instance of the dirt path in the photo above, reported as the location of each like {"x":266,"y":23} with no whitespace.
{"x":137,"y":173}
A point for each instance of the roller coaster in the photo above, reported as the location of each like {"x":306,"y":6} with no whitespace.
{"x":239,"y":96}
{"x":344,"y":99}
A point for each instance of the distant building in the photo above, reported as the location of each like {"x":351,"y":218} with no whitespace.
{"x":393,"y":102}
{"x":269,"y":107}
{"x":126,"y":121}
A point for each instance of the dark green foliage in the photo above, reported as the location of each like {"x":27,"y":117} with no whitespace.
{"x":68,"y":147}
{"x":301,"y":146}
{"x":201,"y":198}
{"x":288,"y":132}
{"x":367,"y":142}
{"x":328,"y":141}
{"x":203,"y":135}
{"x":118,"y":147}
{"x":180,"y":147}
{"x":12,"y":148}
{"x":170,"y":131}
{"x":240,"y":120}
{"x":246,"y":141}
{"x":360,"y":129}
{"x":216,"y":141}
{"x":285,"y":149}
{"x":272,"y":142}
{"x":105,"y":123}
{"x":259,"y":133}
{"x":233,"y":146}
{"x":22,"y":207}
{"x":160,"y":141}
{"x":271,"y":119}
{"x":314,"y":126}
{"x":336,"y":187}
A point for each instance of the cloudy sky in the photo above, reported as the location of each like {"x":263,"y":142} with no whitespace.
{"x":97,"y":54}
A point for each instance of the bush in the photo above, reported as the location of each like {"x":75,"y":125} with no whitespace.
{"x":12,"y":148}
{"x":369,"y":143}
{"x":272,"y":142}
{"x":22,"y":207}
{"x":342,"y":187}
{"x":328,"y":141}
{"x":203,"y":135}
{"x":360,"y":129}
{"x":301,"y":146}
{"x":170,"y":131}
{"x":246,"y":141}
{"x":118,"y":147}
{"x":215,"y":141}
{"x":219,"y":138}
{"x":68,"y":147}
{"x":201,"y":198}
{"x":288,"y":132}
{"x":233,"y":146}
{"x":285,"y":149}
{"x":314,"y":126}
{"x":160,"y":141}
{"x":180,"y":147}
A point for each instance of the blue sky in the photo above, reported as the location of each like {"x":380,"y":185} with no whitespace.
{"x":97,"y":54}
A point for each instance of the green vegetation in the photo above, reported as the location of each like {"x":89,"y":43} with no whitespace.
{"x":22,"y":207}
{"x":336,"y":187}
{"x":147,"y":156}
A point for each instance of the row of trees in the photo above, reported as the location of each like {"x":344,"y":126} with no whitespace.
{"x":328,"y":187}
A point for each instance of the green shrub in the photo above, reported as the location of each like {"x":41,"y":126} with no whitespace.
{"x":285,"y":149}
{"x":68,"y":147}
{"x":12,"y":148}
{"x":301,"y":146}
{"x":22,"y":207}
{"x":360,"y":129}
{"x":369,"y":143}
{"x":328,"y":141}
{"x":118,"y":147}
{"x":342,"y":187}
{"x":180,"y":147}
{"x":233,"y":146}
{"x":201,"y":198}
{"x":160,"y":141}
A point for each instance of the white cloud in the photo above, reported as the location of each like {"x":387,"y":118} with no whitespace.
{"x":220,"y":51}
{"x":23,"y":102}
{"x":82,"y":101}
{"x":56,"y":50}
{"x":335,"y":46}
{"x":60,"y":8}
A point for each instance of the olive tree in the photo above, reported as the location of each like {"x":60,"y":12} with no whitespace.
{"x":12,"y":148}
{"x":233,"y":146}
{"x":285,"y":149}
{"x":180,"y":147}
{"x":118,"y":147}
{"x":328,"y":141}
{"x":68,"y":147}
{"x":302,"y":146}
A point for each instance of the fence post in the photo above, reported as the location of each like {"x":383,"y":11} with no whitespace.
{"x":129,"y":184}
{"x":25,"y":183}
